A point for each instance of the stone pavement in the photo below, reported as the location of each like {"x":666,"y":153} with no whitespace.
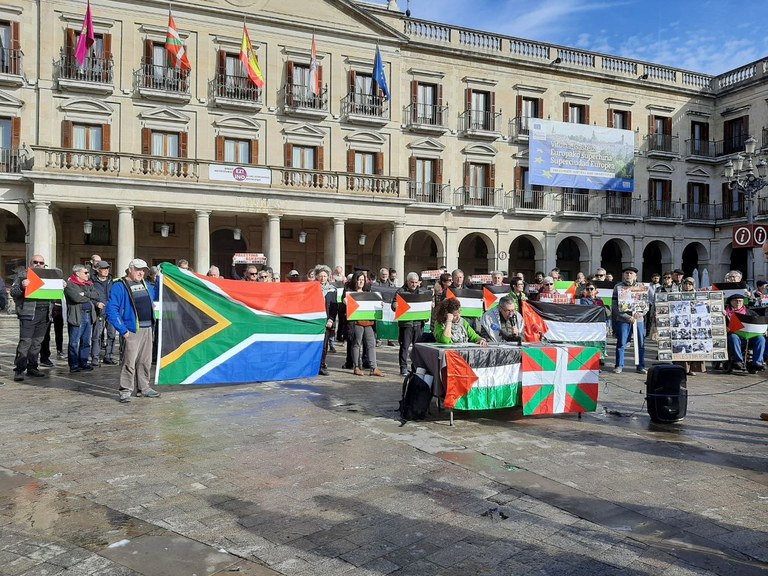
{"x":318,"y":477}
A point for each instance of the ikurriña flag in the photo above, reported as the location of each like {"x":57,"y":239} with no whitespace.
{"x":748,"y":326}
{"x":217,"y":331}
{"x":543,"y":321}
{"x":560,"y":379}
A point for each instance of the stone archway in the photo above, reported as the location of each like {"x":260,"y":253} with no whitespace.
{"x":571,"y":252}
{"x":422,"y":249}
{"x":223,"y":246}
{"x":613,"y":255}
{"x":13,"y":249}
{"x":475,"y":249}
{"x":695,"y":256}
{"x":523,"y":254}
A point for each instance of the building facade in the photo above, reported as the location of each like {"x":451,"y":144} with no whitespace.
{"x":162,"y":163}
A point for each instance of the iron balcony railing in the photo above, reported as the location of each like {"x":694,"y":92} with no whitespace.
{"x":235,"y":87}
{"x":479,"y":121}
{"x":364,"y":104}
{"x":418,"y":114}
{"x":622,"y":204}
{"x":164,"y":78}
{"x":698,"y":211}
{"x":520,"y":126}
{"x":733,"y":211}
{"x":96,"y":68}
{"x":662,"y":143}
{"x":662,"y":209}
{"x":479,"y":196}
{"x":10,"y":160}
{"x":428,"y":192}
{"x":529,"y":199}
{"x":301,"y":97}
{"x":578,"y":202}
{"x":734,"y":145}
{"x":702,"y":148}
{"x":11,"y":61}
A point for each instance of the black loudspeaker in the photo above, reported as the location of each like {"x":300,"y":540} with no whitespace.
{"x":666,"y":393}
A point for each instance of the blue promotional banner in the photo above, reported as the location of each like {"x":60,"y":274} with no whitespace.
{"x":581,"y":156}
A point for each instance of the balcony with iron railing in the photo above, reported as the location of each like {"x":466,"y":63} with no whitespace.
{"x":429,"y":192}
{"x":431,"y":118}
{"x":479,"y":197}
{"x":298,"y":100}
{"x":162,"y":82}
{"x":480,"y":124}
{"x":364,"y":108}
{"x":661,"y":145}
{"x":113,"y":165}
{"x":520,"y":128}
{"x":702,"y":149}
{"x":11,"y":66}
{"x":235,"y":91}
{"x":95,"y":75}
{"x":528,"y":201}
{"x":733,"y":211}
{"x":10,"y":161}
{"x":580,"y":205}
{"x":698,"y":213}
{"x":662,"y":211}
{"x":733,"y":145}
{"x":622,"y":207}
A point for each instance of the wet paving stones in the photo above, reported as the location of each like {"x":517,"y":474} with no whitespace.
{"x":319,"y":477}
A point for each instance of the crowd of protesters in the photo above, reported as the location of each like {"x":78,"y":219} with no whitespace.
{"x":100,"y":308}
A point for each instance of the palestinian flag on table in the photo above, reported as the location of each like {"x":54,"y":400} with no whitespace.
{"x":44,"y":284}
{"x":564,"y":323}
{"x":730,"y":288}
{"x":218,"y":331}
{"x":413,"y":307}
{"x":482,"y":379}
{"x":747,"y":326}
{"x":492,"y":295}
{"x":558,"y":380}
{"x":471,"y":301}
{"x":363,"y":306}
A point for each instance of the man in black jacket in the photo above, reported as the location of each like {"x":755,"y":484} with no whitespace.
{"x":410,"y":330}
{"x":34,"y":321}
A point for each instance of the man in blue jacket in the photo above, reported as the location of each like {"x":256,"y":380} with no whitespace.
{"x":130,"y":311}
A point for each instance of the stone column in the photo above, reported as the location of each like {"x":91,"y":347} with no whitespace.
{"x":398,"y":255}
{"x":339,"y":250}
{"x":272,"y":242}
{"x":41,"y":231}
{"x":387,"y":260}
{"x":637,"y":258}
{"x":202,"y":241}
{"x":597,"y":249}
{"x":125,"y":240}
{"x":550,"y":249}
{"x":451,"y":249}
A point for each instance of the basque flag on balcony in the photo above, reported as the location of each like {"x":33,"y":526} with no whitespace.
{"x":379,"y":76}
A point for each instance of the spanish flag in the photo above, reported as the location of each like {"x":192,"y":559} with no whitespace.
{"x":250,"y":63}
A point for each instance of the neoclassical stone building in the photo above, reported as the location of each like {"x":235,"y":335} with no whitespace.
{"x":163,"y":164}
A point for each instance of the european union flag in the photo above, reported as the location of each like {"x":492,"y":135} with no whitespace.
{"x":379,"y":77}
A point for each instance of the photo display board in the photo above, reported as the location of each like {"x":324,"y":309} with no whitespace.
{"x":691,"y":326}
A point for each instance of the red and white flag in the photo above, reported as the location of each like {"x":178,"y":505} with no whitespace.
{"x":314,"y":76}
{"x":177,"y":53}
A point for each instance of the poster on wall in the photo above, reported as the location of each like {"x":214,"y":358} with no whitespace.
{"x":581,"y":156}
{"x":691,"y":326}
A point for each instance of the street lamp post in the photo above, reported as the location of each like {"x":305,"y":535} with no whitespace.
{"x":742,"y":178}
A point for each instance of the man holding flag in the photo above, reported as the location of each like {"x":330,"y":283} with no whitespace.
{"x":34,"y":321}
{"x":410,"y":322}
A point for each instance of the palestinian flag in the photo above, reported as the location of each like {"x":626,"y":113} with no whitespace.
{"x":730,"y":288}
{"x":471,"y":301}
{"x":482,"y":379}
{"x":564,"y":323}
{"x":748,"y":326}
{"x":605,"y":291}
{"x":560,"y":379}
{"x":218,"y":331}
{"x":413,"y":307}
{"x":566,"y":287}
{"x":44,"y":284}
{"x":363,"y":306}
{"x":492,"y":295}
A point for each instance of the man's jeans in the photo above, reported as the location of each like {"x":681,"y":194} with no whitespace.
{"x":622,"y":331}
{"x":79,"y":352}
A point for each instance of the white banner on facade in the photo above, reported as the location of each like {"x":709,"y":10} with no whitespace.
{"x":240,"y":174}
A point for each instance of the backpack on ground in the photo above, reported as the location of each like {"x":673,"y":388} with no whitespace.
{"x":416,"y":398}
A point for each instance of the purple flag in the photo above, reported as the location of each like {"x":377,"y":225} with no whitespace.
{"x":86,"y":39}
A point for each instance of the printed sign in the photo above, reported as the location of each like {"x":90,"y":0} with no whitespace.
{"x":691,"y":326}
{"x":240,"y":174}
{"x":249,"y":258}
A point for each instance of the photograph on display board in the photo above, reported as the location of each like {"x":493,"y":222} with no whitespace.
{"x":691,"y":326}
{"x":633,"y":299}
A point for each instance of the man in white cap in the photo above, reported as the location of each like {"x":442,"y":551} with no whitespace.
{"x":130,"y":311}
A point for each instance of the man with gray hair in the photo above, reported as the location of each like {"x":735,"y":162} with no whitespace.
{"x":82,"y":303}
{"x":130,"y":311}
{"x":410,"y":331}
{"x":499,"y":324}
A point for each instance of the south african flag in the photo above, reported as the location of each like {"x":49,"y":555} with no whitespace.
{"x":560,"y":379}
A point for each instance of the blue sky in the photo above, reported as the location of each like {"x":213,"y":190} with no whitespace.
{"x":710,"y":36}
